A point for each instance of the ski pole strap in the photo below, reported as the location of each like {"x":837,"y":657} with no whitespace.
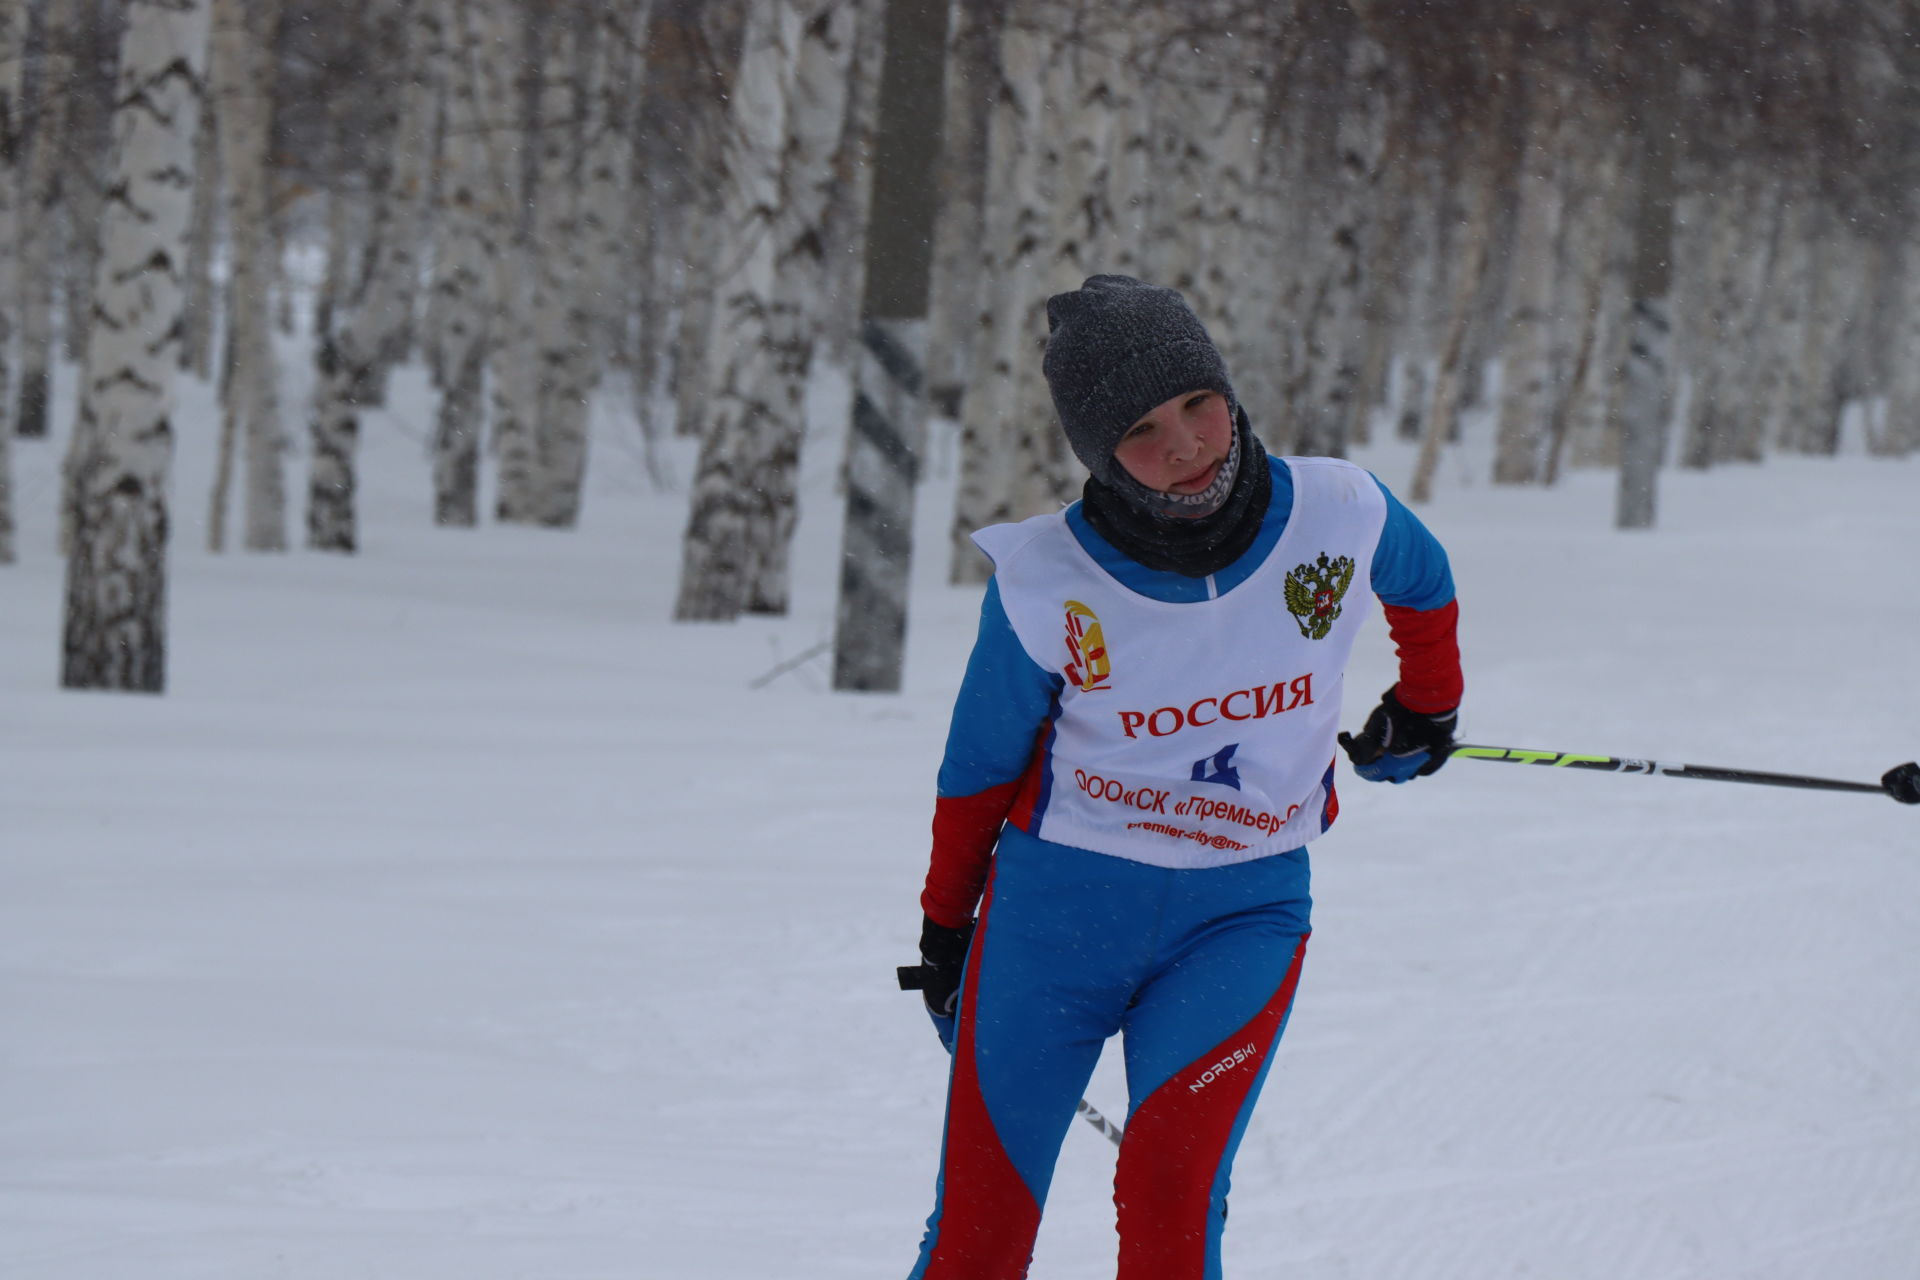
{"x":1704,"y":773}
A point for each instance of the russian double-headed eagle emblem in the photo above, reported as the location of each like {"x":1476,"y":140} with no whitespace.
{"x":1314,"y":592}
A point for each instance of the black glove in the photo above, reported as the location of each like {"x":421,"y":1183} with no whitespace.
{"x":943,"y":954}
{"x":1903,"y":782}
{"x":1397,"y":744}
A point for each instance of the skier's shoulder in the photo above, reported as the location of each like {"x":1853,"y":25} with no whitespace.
{"x":1338,"y":474}
{"x":1007,"y":544}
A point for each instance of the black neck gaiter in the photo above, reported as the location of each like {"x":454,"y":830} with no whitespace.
{"x":1193,"y":546}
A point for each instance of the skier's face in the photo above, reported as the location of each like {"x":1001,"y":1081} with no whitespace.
{"x":1180,"y":443}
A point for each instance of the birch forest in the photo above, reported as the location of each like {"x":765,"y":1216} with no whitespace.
{"x":1614,"y":233}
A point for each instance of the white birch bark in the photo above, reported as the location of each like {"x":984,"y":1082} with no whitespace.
{"x":355,"y":351}
{"x":242,"y":71}
{"x":1085,"y":95}
{"x":43,"y":229}
{"x":13,"y":37}
{"x":986,"y":428}
{"x":1585,"y":254}
{"x":115,"y":621}
{"x":1481,"y":180}
{"x":995,"y":447}
{"x":1838,"y":297}
{"x":401,"y":211}
{"x":566,"y":310}
{"x":1646,"y":390}
{"x":1901,"y":434}
{"x":89,"y":135}
{"x":480,"y":176}
{"x":1715,"y":304}
{"x":954,"y":318}
{"x":612,"y":246}
{"x":1737,"y":419}
{"x":843,"y":222}
{"x":524,"y":308}
{"x":1527,"y":385}
{"x":196,"y":342}
{"x":1334,"y":336}
{"x":706,"y":256}
{"x":793,"y":85}
{"x":806,"y":270}
{"x":717,"y":550}
{"x":1779,"y":390}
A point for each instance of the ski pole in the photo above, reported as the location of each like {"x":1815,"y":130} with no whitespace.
{"x":1098,"y":1121}
{"x":1902,"y":782}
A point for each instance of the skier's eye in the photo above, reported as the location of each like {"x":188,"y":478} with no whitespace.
{"x":1135,"y":431}
{"x":1196,"y":401}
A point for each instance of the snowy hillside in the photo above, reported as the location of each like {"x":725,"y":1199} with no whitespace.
{"x":454,"y":914}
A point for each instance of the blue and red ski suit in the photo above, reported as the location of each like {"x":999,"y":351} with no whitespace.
{"x":1196,"y":967}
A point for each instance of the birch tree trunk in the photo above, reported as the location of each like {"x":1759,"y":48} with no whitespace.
{"x":717,"y":552}
{"x":115,"y":626}
{"x":405,"y":198}
{"x":585,"y":268}
{"x":998,"y":449}
{"x":524,"y":307}
{"x":1645,"y":395}
{"x":43,"y":230}
{"x":705,"y":256}
{"x":818,"y":103}
{"x":242,"y":70}
{"x":1333,"y":341}
{"x":1826,"y":364}
{"x":1585,"y":254}
{"x":355,"y":352}
{"x":90,"y":144}
{"x":197,"y":323}
{"x":1902,"y":434}
{"x":844,"y":220}
{"x":480,"y":178}
{"x":1527,"y":385}
{"x":609,"y":123}
{"x":1779,"y":392}
{"x":1011,"y":236}
{"x":1717,"y":302}
{"x":954,"y":319}
{"x":13,"y":39}
{"x":1482,"y":179}
{"x":1738,"y":417}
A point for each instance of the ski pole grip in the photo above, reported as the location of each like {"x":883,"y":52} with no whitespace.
{"x":1903,"y":782}
{"x":913,"y":977}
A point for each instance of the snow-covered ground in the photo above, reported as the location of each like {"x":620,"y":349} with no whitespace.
{"x":455,"y":914}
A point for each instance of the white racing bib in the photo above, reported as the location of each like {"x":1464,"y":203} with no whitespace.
{"x":1195,"y":734}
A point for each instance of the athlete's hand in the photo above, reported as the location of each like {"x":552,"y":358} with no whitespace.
{"x":943,"y":958}
{"x":1397,"y":744}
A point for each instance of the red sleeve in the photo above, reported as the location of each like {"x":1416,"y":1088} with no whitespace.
{"x":1429,"y":649}
{"x":965,"y":829}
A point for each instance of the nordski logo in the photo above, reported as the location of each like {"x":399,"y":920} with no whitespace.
{"x":1223,"y":771}
{"x":1243,"y":1054}
{"x":1087,"y":664}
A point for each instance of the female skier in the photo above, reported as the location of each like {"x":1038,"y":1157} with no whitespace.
{"x":1141,"y":749}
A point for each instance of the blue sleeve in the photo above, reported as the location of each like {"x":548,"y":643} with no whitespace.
{"x":1409,"y":566}
{"x":1004,"y":699}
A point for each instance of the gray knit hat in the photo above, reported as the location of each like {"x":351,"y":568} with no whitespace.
{"x":1116,"y":348}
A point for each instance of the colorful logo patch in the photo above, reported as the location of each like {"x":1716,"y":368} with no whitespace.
{"x":1314,"y":592}
{"x":1087,"y":664}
